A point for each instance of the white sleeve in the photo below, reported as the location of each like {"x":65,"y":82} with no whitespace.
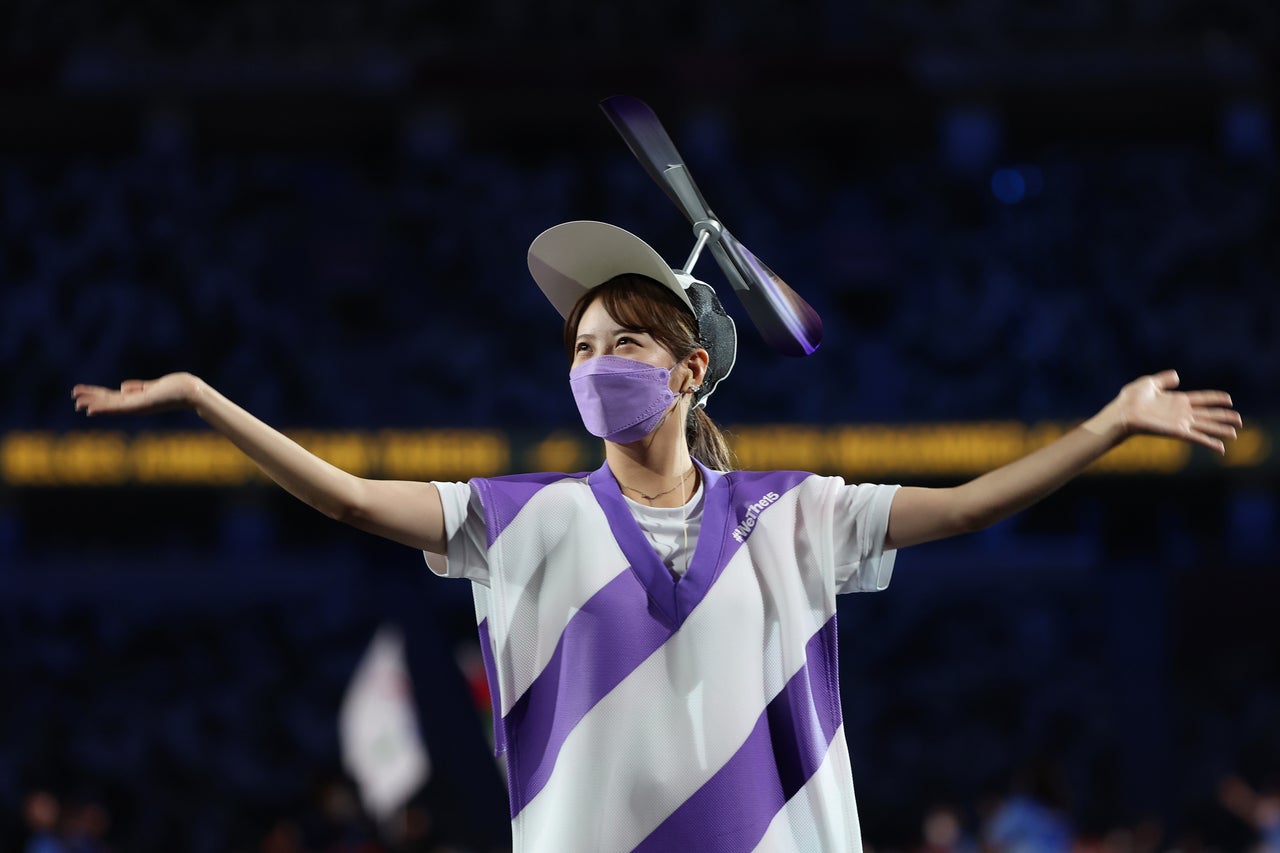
{"x":860,"y":522}
{"x":465,"y":535}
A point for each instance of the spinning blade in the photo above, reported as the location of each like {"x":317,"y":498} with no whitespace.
{"x":785,"y":321}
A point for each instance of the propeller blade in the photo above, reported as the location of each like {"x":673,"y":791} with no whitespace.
{"x":680,"y":186}
{"x":787,"y":323}
{"x":644,"y":134}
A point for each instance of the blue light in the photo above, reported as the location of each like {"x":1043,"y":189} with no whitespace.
{"x":1008,"y":186}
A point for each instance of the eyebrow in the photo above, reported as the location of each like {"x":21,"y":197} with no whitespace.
{"x":611,"y":333}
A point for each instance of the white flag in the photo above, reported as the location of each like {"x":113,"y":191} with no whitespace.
{"x":381,"y":745}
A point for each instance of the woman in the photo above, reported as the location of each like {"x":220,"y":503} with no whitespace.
{"x":660,"y":633}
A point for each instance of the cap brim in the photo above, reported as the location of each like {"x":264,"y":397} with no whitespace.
{"x":569,"y":259}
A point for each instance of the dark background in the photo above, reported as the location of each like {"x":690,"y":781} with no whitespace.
{"x":1001,"y":210}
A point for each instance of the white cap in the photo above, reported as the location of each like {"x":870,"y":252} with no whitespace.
{"x":569,"y":259}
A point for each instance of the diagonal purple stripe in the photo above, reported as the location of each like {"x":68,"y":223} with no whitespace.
{"x":612,"y":634}
{"x":732,"y":811}
{"x":504,"y":497}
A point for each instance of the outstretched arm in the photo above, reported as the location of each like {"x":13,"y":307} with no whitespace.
{"x":1148,"y":406}
{"x":406,"y":512}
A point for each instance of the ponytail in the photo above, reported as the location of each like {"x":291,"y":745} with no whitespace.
{"x":707,"y":443}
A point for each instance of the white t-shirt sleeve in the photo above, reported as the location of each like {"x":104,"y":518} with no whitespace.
{"x":860,"y":522}
{"x":465,"y":535}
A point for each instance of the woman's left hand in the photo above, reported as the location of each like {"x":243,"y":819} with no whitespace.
{"x":1151,"y":406}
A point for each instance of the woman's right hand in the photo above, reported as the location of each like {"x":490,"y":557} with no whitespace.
{"x":139,"y":396}
{"x":407,"y":512}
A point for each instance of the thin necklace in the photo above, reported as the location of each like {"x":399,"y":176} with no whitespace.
{"x":652,"y":498}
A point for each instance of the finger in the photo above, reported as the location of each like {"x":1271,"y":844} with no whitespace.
{"x":1222,"y":416}
{"x":87,"y":401}
{"x":1166,"y":379}
{"x":1209,"y":398}
{"x":1216,"y":430}
{"x":1199,"y":437}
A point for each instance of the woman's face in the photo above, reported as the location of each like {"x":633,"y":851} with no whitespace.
{"x":600,"y":334}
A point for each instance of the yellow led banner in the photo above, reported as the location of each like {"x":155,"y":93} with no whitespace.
{"x":871,"y":452}
{"x":91,"y":458}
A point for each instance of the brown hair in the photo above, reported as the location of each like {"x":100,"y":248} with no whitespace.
{"x":640,"y":304}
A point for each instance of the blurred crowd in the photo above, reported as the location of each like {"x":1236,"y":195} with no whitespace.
{"x":203,"y":715}
{"x":1018,"y":255}
{"x":349,"y":292}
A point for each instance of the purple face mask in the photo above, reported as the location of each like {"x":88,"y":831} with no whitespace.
{"x":620,"y":399}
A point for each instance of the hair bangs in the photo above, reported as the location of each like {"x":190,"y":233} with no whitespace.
{"x":639,"y":304}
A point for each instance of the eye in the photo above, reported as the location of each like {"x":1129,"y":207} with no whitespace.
{"x":581,"y":347}
{"x":623,"y":340}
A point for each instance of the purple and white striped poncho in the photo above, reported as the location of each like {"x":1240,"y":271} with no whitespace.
{"x":642,"y":712}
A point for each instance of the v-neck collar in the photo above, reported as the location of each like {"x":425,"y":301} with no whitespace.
{"x":675,"y":598}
